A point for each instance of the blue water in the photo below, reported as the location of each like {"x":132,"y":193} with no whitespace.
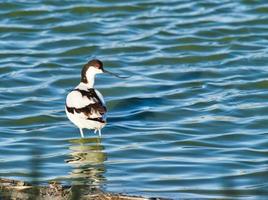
{"x":190,"y":122}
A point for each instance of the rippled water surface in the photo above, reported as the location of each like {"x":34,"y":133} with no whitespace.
{"x":190,"y":122}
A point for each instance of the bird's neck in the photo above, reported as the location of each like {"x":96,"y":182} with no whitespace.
{"x":84,"y":85}
{"x":90,"y":81}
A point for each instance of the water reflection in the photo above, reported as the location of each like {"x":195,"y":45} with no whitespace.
{"x":86,"y":158}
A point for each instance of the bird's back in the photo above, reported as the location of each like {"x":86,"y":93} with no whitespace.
{"x":84,"y":106}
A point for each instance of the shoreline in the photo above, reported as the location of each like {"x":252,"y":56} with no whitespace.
{"x":14,"y":189}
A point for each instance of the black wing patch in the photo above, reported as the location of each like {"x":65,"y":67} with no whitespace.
{"x":88,"y":110}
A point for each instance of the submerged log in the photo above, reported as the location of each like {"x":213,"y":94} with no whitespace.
{"x":15,"y":190}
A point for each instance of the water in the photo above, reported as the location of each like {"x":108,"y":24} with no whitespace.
{"x":190,"y":122}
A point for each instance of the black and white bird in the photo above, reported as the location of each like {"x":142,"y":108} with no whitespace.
{"x":85,"y":106}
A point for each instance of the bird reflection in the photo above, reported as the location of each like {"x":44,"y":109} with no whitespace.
{"x":86,"y":158}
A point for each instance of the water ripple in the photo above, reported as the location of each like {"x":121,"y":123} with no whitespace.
{"x":190,"y":122}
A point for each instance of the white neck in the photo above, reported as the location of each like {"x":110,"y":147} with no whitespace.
{"x":83,"y":86}
{"x":90,"y":80}
{"x":90,"y":77}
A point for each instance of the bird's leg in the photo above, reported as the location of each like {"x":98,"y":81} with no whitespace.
{"x":95,"y":131}
{"x":81,"y":132}
{"x":99,"y":132}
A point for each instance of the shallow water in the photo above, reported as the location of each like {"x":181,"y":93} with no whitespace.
{"x":190,"y":122}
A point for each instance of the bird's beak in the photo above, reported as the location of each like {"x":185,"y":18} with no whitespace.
{"x":113,"y":74}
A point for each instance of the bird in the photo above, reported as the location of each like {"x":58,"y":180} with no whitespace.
{"x":85,"y":106}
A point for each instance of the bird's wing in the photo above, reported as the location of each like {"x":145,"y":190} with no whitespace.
{"x":86,"y":103}
{"x":100,"y":97}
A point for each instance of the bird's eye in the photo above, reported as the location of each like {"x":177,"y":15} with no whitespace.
{"x":99,"y":67}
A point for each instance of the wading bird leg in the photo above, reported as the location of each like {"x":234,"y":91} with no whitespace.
{"x":81,"y":132}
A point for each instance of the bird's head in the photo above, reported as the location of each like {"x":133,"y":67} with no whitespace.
{"x":92,"y":68}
